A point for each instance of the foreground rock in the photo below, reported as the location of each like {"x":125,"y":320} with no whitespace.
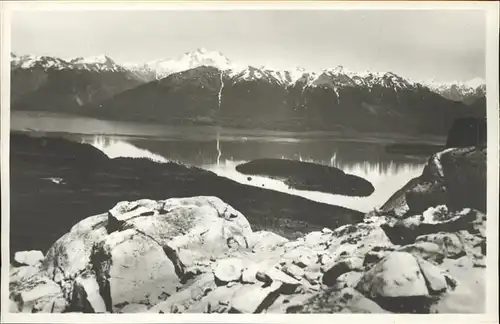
{"x":309,"y":176}
{"x":455,"y":177}
{"x":199,"y":255}
{"x":28,"y":258}
{"x":466,"y":132}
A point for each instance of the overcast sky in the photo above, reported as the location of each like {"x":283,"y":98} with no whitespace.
{"x":441,"y":45}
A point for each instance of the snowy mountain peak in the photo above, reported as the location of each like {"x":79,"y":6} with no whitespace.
{"x":203,"y":56}
{"x":97,"y":59}
{"x":466,"y":91}
{"x":334,"y":78}
{"x":468,"y":84}
{"x":475,"y":82}
{"x":94,"y":63}
{"x":336,"y":70}
{"x":33,"y":61}
{"x":201,"y":50}
{"x":100,"y":62}
{"x":189,"y":60}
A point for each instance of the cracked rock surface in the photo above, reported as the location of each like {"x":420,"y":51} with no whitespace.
{"x":200,"y":255}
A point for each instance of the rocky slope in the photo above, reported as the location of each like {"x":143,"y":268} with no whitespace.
{"x":455,"y":177}
{"x":200,"y":255}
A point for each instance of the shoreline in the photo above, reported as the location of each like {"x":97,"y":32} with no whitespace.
{"x":355,"y":136}
{"x":91,"y":182}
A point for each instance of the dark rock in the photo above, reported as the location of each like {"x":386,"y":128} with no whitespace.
{"x":331,"y":275}
{"x":406,"y":305}
{"x":465,"y":178}
{"x":346,"y":300}
{"x":396,"y":205}
{"x":455,"y":177}
{"x":403,"y":233}
{"x":466,"y":132}
{"x":425,"y":195}
{"x":263,"y":277}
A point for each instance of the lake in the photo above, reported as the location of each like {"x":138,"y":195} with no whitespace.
{"x":221,"y":149}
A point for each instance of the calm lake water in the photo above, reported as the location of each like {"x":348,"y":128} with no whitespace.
{"x":221,"y":149}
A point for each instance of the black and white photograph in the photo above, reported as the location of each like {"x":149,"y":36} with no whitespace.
{"x":233,"y":160}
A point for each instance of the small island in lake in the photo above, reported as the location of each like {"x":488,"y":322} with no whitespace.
{"x":309,"y":176}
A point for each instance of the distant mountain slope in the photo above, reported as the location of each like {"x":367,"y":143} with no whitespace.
{"x":52,"y":84}
{"x":467,"y":92}
{"x":206,"y":87}
{"x":255,"y":98}
{"x":188,"y":94}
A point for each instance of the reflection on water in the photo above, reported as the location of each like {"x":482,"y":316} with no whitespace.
{"x":387,"y":173}
{"x":221,"y":149}
{"x":114,"y":148}
{"x":385,"y":184}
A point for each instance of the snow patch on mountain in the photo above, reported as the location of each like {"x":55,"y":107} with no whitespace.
{"x":476,"y":82}
{"x":189,"y":60}
{"x":466,"y":91}
{"x":32,"y":61}
{"x":93,"y":63}
{"x":468,"y":84}
{"x":96,"y":63}
{"x":334,"y":78}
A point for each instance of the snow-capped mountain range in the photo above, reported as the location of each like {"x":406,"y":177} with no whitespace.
{"x":190,"y":60}
{"x":205,"y":87}
{"x":95,"y":63}
{"x":467,"y":92}
{"x":328,"y":78}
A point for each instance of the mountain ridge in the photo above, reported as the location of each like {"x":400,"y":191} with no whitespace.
{"x":215,"y":91}
{"x":157,"y":69}
{"x":334,"y":102}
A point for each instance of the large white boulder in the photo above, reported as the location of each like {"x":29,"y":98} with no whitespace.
{"x":229,"y":269}
{"x":397,"y":275}
{"x":195,"y":255}
{"x":135,"y":268}
{"x":28,"y":258}
{"x":253,"y":298}
{"x":132,"y":255}
{"x":264,"y":240}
